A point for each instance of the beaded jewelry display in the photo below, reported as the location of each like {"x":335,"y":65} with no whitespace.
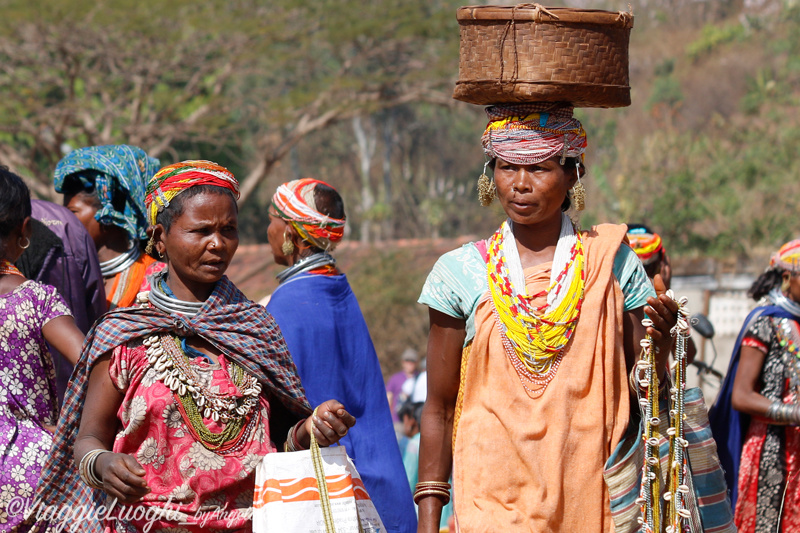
{"x":677,"y":517}
{"x":196,"y":402}
{"x":534,"y":337}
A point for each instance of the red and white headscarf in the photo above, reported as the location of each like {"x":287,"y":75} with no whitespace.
{"x":787,"y":258}
{"x":294,"y":202}
{"x":527,"y":134}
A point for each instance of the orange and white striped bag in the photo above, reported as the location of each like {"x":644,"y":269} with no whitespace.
{"x":312,"y":491}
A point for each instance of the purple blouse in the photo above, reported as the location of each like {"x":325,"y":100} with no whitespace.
{"x":27,"y":394}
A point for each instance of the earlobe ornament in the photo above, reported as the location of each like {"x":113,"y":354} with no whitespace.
{"x":486,"y":188}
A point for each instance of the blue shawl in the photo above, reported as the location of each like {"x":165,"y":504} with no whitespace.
{"x":331,"y":346}
{"x":728,"y":425}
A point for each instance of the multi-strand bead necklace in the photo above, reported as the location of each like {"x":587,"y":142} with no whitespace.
{"x":534,"y":337}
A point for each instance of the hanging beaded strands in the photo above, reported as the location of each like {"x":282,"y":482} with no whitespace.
{"x":534,"y":337}
{"x":678,"y":518}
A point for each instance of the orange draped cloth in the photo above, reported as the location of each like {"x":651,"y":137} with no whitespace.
{"x":536,"y":464}
{"x":128,"y":283}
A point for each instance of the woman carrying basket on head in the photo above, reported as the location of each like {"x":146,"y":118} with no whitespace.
{"x":175,"y":401}
{"x":533,"y":335}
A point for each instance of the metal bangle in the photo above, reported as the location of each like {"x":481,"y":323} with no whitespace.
{"x":87,"y":471}
{"x":442,"y":494}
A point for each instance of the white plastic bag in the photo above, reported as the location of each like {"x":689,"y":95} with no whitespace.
{"x":288,"y":498}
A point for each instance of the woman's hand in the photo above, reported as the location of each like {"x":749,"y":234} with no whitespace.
{"x":329,"y":424}
{"x":663,"y":312}
{"x":123,"y":477}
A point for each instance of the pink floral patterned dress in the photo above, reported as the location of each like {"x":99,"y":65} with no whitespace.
{"x":193,"y":488}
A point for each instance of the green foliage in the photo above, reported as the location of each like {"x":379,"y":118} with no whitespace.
{"x":713,"y":36}
{"x":760,"y":89}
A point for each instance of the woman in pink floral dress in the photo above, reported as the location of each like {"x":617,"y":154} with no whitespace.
{"x":183,"y":395}
{"x":30,"y":313}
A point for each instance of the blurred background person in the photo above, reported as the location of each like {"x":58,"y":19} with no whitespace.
{"x":62,"y":254}
{"x":105,"y":187}
{"x":30,"y":314}
{"x":756,"y":416}
{"x":410,"y":413}
{"x":329,"y":341}
{"x":394,"y":387}
{"x":650,"y":249}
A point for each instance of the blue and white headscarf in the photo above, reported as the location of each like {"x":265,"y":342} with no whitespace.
{"x":122,"y":168}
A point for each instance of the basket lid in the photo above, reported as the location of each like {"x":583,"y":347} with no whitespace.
{"x":538,"y":13}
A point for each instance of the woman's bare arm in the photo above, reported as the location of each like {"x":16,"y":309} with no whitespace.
{"x":445,"y":344}
{"x":65,"y":337}
{"x":122,"y":476}
{"x":745,"y":396}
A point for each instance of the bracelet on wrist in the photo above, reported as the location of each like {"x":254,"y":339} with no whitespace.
{"x":783,"y":413}
{"x":292,"y":444}
{"x":87,"y":468}
{"x":439,"y":489}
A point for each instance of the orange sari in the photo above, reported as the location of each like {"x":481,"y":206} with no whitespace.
{"x":536,"y":464}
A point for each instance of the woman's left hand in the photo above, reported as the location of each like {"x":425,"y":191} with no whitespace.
{"x":663,"y":312}
{"x":330,"y":423}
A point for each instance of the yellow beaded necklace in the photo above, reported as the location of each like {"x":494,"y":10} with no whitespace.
{"x":536,"y":335}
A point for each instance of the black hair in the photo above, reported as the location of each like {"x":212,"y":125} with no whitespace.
{"x":15,"y":202}
{"x":75,"y":185}
{"x":167,"y":216}
{"x":767,"y":281}
{"x":328,"y":201}
{"x":569,"y":164}
{"x":643,"y":227}
{"x":412,"y":409}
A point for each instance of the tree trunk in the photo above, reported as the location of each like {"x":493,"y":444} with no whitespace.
{"x":365,"y":144}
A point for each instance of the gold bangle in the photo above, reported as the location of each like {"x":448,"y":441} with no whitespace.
{"x":442,"y":495}
{"x":438,"y":484}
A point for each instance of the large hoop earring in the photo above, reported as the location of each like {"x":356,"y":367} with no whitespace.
{"x":486,"y":188}
{"x":785,"y":284}
{"x":24,"y":246}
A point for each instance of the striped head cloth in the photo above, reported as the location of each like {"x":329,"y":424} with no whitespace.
{"x":787,"y":258}
{"x":295,"y":203}
{"x":526,"y":134}
{"x":172,"y":180}
{"x":646,"y":245}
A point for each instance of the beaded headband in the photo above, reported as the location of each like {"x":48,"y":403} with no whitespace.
{"x":787,"y":258}
{"x":172,"y":180}
{"x":527,"y":134}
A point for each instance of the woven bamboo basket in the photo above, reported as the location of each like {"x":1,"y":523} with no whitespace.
{"x":528,"y":53}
